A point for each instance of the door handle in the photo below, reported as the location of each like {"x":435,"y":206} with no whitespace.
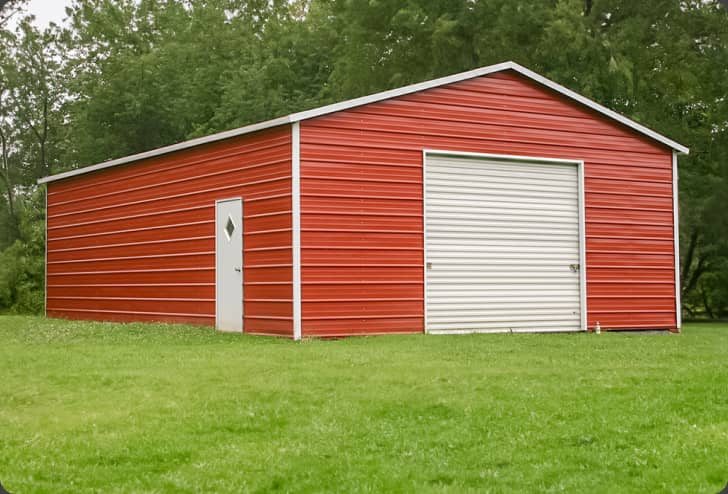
{"x":239,"y":270}
{"x":574,"y":267}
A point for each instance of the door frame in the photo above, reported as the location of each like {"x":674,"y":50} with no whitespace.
{"x":514,"y":159}
{"x":242,"y":264}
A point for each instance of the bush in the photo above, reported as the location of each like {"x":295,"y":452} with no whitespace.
{"x":22,"y":274}
{"x":22,"y":264}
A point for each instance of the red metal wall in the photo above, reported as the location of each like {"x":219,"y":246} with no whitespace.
{"x":361,"y":202}
{"x":136,"y":242}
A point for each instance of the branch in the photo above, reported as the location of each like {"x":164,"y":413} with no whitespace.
{"x":689,"y":254}
{"x":6,"y":177}
{"x":4,"y":19}
{"x":587,"y":7}
{"x":701,"y":268}
{"x":31,"y":126}
{"x":706,"y":304}
{"x":4,"y":144}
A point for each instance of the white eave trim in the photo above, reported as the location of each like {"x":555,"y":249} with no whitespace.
{"x":601,"y":109}
{"x":169,"y":149}
{"x":364,"y":100}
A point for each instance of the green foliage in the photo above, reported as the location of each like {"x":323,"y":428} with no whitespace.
{"x":92,"y":407}
{"x":152,"y":73}
{"x":22,"y":264}
{"x":131,"y":75}
{"x":21,"y":278}
{"x":30,"y":112}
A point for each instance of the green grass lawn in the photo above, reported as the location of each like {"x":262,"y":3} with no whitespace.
{"x":88,"y":407}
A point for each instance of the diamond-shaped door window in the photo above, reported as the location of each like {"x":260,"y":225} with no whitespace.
{"x":230,"y":227}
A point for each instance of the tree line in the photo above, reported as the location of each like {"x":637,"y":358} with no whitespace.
{"x":124,"y":76}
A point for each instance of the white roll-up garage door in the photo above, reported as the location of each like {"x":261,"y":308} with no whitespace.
{"x":501,"y":245}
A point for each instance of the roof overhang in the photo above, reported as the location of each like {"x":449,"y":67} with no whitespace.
{"x":364,"y":100}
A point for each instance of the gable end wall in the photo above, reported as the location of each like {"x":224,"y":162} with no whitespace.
{"x":361,"y":202}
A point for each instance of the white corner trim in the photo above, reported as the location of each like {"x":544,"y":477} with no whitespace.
{"x":45,"y":256}
{"x":424,"y":239}
{"x":582,"y":247}
{"x":676,"y":240}
{"x":296,"y":223}
{"x":364,"y":100}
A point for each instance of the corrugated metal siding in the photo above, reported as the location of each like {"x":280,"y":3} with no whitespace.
{"x":137,"y":242}
{"x":500,"y":240}
{"x":361,"y":202}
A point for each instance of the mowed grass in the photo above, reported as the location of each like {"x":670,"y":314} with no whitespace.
{"x":90,"y":407}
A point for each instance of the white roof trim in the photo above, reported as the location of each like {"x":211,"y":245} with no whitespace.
{"x":364,"y":100}
{"x":169,"y":149}
{"x":601,"y":109}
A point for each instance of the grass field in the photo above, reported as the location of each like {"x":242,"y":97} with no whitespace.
{"x":89,"y":407}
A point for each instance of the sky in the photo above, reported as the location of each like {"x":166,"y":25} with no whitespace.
{"x":46,"y":11}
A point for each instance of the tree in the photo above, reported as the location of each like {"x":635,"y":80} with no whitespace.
{"x":27,"y":98}
{"x":148,"y":73}
{"x":8,"y":9}
{"x":29,"y":105}
{"x":8,"y":142}
{"x":130,"y":75}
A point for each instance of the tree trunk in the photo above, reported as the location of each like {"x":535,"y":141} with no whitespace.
{"x":9,"y":193}
{"x":708,"y":311}
{"x":688,"y":260}
{"x":43,"y":161}
{"x":692,"y":282}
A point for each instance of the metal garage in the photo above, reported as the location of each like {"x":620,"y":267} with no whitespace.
{"x":490,"y":200}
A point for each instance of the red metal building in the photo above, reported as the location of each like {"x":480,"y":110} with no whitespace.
{"x":491,"y":200}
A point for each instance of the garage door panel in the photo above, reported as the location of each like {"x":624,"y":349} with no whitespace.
{"x":527,"y":268}
{"x":500,"y":311}
{"x":506,"y":318}
{"x":517,"y":229}
{"x":553,"y":250}
{"x":475,"y":201}
{"x":504,"y":217}
{"x":506,"y":256}
{"x":535,"y":188}
{"x":445,"y":277}
{"x":530,"y":326}
{"x":502,"y":245}
{"x":504,"y":295}
{"x":541,"y":184}
{"x":526,"y":197}
{"x":547,"y":189}
{"x":479,"y":204}
{"x":503,"y":172}
{"x":445,"y":284}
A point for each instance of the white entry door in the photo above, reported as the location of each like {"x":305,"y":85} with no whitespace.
{"x":229,"y":265}
{"x":502,"y":244}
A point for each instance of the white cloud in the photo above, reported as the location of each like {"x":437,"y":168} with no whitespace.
{"x":47,"y":11}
